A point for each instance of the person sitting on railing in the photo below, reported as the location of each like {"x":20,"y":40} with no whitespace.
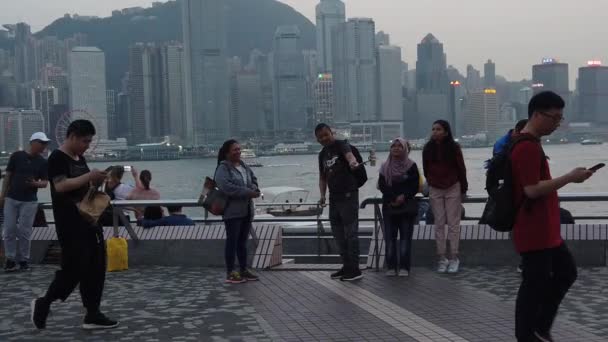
{"x":446,"y":174}
{"x":399,"y":183}
{"x":175,"y":218}
{"x":235,"y":179}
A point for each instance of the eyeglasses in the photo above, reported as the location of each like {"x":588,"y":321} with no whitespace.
{"x":554,"y":117}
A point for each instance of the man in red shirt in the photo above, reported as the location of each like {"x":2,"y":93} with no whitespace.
{"x":548,"y":266}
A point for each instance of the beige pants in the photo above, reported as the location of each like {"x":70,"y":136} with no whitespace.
{"x":447,"y":209}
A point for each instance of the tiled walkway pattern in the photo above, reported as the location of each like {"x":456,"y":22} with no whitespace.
{"x":188,"y":304}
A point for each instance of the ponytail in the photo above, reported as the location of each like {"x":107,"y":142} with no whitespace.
{"x":145,"y":177}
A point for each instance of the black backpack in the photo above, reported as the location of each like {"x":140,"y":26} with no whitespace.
{"x":500,"y":210}
{"x":359,"y":173}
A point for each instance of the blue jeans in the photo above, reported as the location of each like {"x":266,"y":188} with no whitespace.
{"x":237,"y":232}
{"x":404,"y":227}
{"x":18,"y":220}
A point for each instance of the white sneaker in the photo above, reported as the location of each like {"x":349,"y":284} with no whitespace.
{"x":391,"y":273}
{"x":442,"y":265}
{"x":404,"y":273}
{"x":453,"y":266}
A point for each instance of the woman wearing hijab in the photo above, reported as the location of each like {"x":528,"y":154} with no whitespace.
{"x":399,"y":182}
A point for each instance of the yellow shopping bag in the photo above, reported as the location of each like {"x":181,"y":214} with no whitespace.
{"x":118,"y":254}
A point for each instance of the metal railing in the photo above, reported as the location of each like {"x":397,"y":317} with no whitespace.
{"x":120,"y":219}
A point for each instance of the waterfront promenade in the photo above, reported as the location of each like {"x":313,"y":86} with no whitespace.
{"x":193,"y":304}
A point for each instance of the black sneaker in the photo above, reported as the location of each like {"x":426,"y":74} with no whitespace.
{"x":40,"y":309}
{"x":249,"y":276}
{"x":98,"y":321}
{"x":338,"y":275}
{"x":352,"y":276}
{"x":24,"y":266}
{"x":10,"y":266}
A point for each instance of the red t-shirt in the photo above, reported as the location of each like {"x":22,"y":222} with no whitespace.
{"x":537,"y":224}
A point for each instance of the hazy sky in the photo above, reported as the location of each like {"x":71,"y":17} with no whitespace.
{"x":514,"y":33}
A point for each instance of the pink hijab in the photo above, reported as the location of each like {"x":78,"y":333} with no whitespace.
{"x":394,"y":168}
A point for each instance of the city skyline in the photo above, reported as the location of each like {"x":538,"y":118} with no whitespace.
{"x":507,"y":33}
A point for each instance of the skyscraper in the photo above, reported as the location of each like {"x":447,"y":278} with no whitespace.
{"x":289,"y":87}
{"x":481,"y":114}
{"x":593,"y":93}
{"x":383,"y":38}
{"x":206,"y":70}
{"x":330,"y":13}
{"x":43,"y":99}
{"x":25,"y":56}
{"x":172,"y":56}
{"x":489,"y":74}
{"x":112,"y":118}
{"x":324,"y":99}
{"x":247,"y":104}
{"x":473,"y":81}
{"x":17,"y":126}
{"x":390,"y":99}
{"x":431,"y":76}
{"x":355,"y":71}
{"x":87,"y":70}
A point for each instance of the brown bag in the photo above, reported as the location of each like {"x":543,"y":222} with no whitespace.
{"x":94,"y":203}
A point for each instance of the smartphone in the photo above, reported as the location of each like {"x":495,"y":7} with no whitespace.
{"x":127,"y":168}
{"x":597,"y":167}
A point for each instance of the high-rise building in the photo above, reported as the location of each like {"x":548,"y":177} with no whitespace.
{"x":87,"y":74}
{"x":113,"y":122}
{"x":43,"y":99}
{"x":330,"y":13}
{"x":383,"y":38}
{"x":473,"y":81}
{"x":481,"y":114}
{"x":173,"y":90}
{"x":489,"y":74}
{"x":54,"y":76}
{"x":206,"y":70}
{"x":25,"y":55}
{"x":324,"y":99}
{"x":431,"y":75}
{"x":355,"y":71}
{"x":17,"y":126}
{"x":247,"y":104}
{"x":552,"y":75}
{"x":311,"y":72}
{"x":593,"y":93}
{"x":261,"y":63}
{"x":289,"y":86}
{"x":123,"y":115}
{"x":146,"y":81}
{"x":49,"y":50}
{"x":390,"y":96}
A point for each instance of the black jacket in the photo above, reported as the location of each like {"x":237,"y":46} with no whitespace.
{"x":407,"y":186}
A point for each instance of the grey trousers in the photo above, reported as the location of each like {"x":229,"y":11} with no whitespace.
{"x":17,"y":232}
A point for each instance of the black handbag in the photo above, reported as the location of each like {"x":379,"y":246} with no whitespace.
{"x":212,"y":198}
{"x":408,"y":208}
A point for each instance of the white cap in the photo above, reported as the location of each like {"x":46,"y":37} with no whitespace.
{"x":39,"y":136}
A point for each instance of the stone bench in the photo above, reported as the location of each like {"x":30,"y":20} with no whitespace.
{"x":200,"y":245}
{"x":480,"y":245}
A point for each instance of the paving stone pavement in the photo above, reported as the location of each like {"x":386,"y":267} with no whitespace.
{"x":193,"y":304}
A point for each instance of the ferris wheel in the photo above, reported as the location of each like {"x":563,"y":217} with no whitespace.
{"x":64,"y":121}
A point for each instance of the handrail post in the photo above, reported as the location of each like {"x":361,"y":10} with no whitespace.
{"x":319,"y":223}
{"x":377,"y":256}
{"x":127,"y":224}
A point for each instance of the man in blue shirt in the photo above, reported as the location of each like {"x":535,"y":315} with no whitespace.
{"x":175,"y":218}
{"x":503,"y":142}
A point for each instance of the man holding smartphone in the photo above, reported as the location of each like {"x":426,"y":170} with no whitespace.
{"x":25,"y":174}
{"x":83,"y":256}
{"x":549,"y":269}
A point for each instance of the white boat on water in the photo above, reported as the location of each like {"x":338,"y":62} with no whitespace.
{"x":247,"y":154}
{"x":250,"y":158}
{"x":285,"y":201}
{"x":591,"y":142}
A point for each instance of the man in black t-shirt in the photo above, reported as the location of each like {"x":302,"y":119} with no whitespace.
{"x":83,"y":256}
{"x":336,"y":165}
{"x":25,"y":174}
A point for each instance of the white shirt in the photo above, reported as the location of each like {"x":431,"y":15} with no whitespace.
{"x":122,"y":191}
